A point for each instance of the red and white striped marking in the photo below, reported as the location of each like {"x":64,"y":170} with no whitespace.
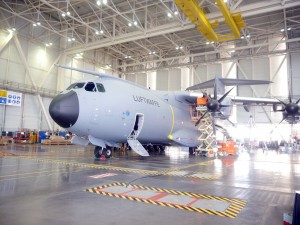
{"x":103,"y":175}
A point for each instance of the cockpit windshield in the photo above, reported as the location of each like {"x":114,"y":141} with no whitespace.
{"x":76,"y":86}
{"x":90,"y":86}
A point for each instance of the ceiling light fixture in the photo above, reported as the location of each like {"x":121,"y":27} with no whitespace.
{"x":11,"y":30}
{"x":170,"y":15}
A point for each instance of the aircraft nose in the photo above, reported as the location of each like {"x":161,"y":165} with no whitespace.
{"x":64,"y":109}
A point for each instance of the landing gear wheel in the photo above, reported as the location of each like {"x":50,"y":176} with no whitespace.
{"x":191,"y":151}
{"x":107,"y":152}
{"x":97,"y":152}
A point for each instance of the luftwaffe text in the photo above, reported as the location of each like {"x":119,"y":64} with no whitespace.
{"x":145,"y":100}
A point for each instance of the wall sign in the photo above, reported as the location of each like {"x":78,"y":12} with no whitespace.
{"x":10,"y":98}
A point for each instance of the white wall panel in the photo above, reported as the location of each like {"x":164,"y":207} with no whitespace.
{"x":131,"y":77}
{"x":295,"y":71}
{"x":279,"y":87}
{"x":31,"y":112}
{"x":3,"y":68}
{"x":16,"y":72}
{"x":244,"y":72}
{"x":214,"y":70}
{"x":174,"y":80}
{"x":162,"y":80}
{"x":141,"y":79}
{"x":13,"y":118}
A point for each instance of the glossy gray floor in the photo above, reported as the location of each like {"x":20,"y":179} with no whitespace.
{"x":45,"y":185}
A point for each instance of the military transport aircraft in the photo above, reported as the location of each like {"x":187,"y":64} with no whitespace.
{"x":106,"y":111}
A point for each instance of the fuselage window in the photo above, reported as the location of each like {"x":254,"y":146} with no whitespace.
{"x":100,"y":87}
{"x":90,"y":86}
{"x":75,"y":86}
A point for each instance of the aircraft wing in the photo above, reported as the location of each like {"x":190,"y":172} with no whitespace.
{"x":253,"y":101}
{"x":227,"y":82}
{"x":87,"y":71}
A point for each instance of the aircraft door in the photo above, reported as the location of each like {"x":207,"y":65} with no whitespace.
{"x":138,"y":124}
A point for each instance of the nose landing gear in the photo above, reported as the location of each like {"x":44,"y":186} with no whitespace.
{"x":99,"y":151}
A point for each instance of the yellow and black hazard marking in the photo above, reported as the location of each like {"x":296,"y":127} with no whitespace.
{"x":205,"y":163}
{"x":121,"y":169}
{"x":235,"y":205}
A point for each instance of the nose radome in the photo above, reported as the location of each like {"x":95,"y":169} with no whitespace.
{"x":64,"y":109}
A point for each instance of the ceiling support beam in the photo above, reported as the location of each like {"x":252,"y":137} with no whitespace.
{"x":132,"y":36}
{"x":6,"y":41}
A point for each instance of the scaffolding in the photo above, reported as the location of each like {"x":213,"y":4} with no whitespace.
{"x":207,"y":137}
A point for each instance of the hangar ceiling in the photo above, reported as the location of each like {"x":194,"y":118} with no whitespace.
{"x":161,"y":37}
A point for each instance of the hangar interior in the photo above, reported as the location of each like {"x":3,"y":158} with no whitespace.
{"x":154,"y":44}
{"x":163,"y":51}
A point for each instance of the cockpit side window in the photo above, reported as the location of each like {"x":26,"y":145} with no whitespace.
{"x":90,"y":86}
{"x":100,"y":87}
{"x":76,"y":86}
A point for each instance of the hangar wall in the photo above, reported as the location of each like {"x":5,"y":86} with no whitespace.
{"x":20,"y":53}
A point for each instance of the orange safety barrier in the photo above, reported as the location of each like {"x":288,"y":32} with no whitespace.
{"x":229,"y":147}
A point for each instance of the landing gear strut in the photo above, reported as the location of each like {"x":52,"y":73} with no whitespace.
{"x":102,"y":151}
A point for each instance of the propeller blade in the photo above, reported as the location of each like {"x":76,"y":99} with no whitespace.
{"x":227,"y":119}
{"x":232,"y":123}
{"x":199,"y":120}
{"x":224,"y":96}
{"x":278,"y":124}
{"x":215,"y":90}
{"x":290,"y":97}
{"x":225,"y":105}
{"x":282,"y":101}
{"x":298,"y":101}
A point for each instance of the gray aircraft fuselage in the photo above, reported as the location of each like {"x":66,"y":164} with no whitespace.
{"x":107,"y":114}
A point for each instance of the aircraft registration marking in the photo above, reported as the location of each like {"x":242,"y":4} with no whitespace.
{"x":206,"y":176}
{"x":201,"y":203}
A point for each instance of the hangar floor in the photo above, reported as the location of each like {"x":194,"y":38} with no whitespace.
{"x":66,"y":185}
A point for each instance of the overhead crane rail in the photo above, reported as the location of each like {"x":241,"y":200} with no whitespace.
{"x":196,"y":15}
